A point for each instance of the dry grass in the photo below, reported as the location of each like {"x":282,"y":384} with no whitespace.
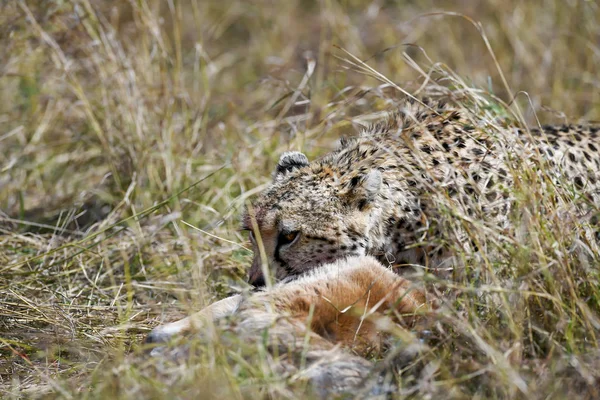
{"x":121,"y":121}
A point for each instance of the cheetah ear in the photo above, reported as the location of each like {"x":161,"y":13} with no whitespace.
{"x":362,"y":189}
{"x":289,"y":161}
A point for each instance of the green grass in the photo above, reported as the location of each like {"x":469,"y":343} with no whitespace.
{"x":122,"y":123}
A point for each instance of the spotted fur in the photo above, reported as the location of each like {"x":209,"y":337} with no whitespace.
{"x":389,"y":191}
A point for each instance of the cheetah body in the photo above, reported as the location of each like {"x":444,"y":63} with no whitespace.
{"x":403,"y":188}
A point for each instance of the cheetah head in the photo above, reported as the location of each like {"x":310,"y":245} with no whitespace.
{"x":310,"y":215}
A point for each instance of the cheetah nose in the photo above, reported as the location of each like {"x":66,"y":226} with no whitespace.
{"x":257,"y":280}
{"x":255,"y":275}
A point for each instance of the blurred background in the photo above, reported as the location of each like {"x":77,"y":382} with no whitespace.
{"x":96,"y":94}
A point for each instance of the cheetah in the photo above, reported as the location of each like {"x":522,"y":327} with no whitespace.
{"x":355,"y":302}
{"x":397,"y":190}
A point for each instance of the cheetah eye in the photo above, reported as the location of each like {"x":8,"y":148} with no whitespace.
{"x":287,"y":237}
{"x":251,"y":236}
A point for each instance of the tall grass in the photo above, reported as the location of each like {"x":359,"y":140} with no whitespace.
{"x":123,"y":122}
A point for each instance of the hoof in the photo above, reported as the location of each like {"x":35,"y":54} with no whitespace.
{"x":157,"y":336}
